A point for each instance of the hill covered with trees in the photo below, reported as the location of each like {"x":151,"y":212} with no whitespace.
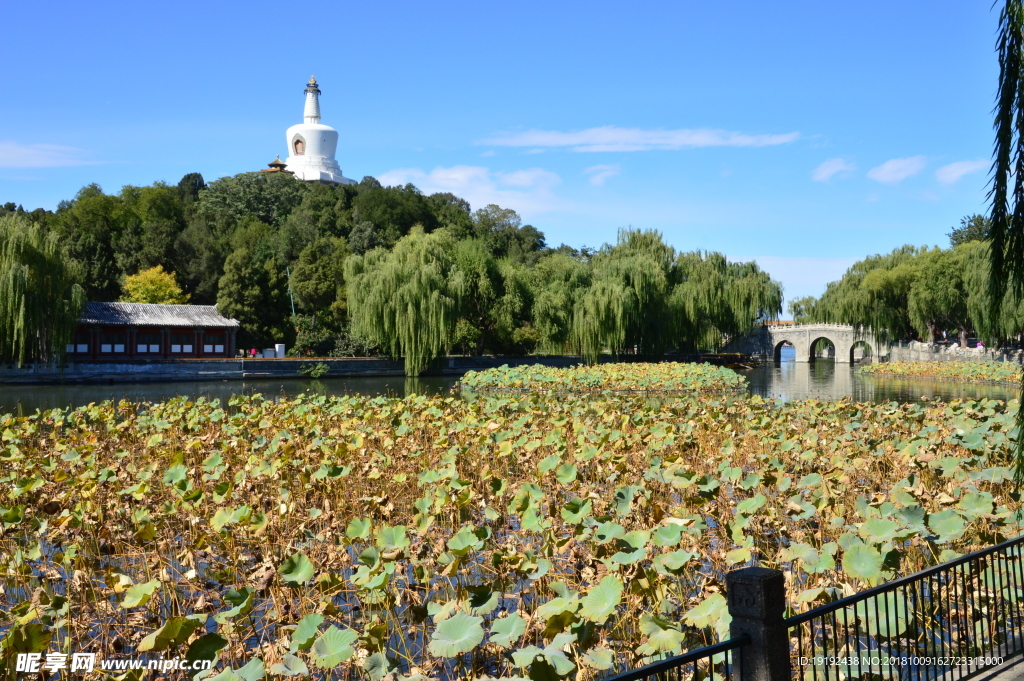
{"x":362,"y":269}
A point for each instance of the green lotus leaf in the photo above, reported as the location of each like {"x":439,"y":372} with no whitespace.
{"x":290,"y":665}
{"x":601,"y":600}
{"x":252,"y":671}
{"x":377,"y":666}
{"x":606,"y":532}
{"x":599,"y":658}
{"x":976,"y":504}
{"x":296,"y":570}
{"x":241,"y":599}
{"x":576,"y":509}
{"x":482,"y":600}
{"x":505,"y":631}
{"x":206,"y":647}
{"x":456,"y":635}
{"x":671,"y":563}
{"x":392,"y":538}
{"x":175,"y":631}
{"x":662,"y":635}
{"x":738,"y":556}
{"x":912,"y":515}
{"x":751,"y":505}
{"x":305,"y":632}
{"x":948,"y":525}
{"x":333,"y":647}
{"x":139,"y":594}
{"x":175,"y":474}
{"x":226,"y":675}
{"x":667,"y":535}
{"x":358,"y":528}
{"x":566,"y":473}
{"x":622,"y":502}
{"x":863,"y":562}
{"x":712,"y":612}
{"x":879,"y":530}
{"x":548,"y":463}
{"x":464,"y":541}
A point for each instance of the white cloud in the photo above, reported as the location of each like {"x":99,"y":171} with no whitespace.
{"x":612,"y":138}
{"x":17,"y":155}
{"x":600,"y":174}
{"x":897,"y":169}
{"x":802,"y":276}
{"x":954,"y":171}
{"x":831,"y":167}
{"x":527,"y":191}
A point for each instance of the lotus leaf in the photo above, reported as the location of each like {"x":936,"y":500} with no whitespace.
{"x":948,"y":525}
{"x":456,"y":635}
{"x":601,"y":600}
{"x":505,"y":631}
{"x":333,"y":647}
{"x":863,"y":562}
{"x":290,"y":665}
{"x":305,"y":632}
{"x":296,"y":570}
{"x":139,"y":594}
{"x":662,"y":635}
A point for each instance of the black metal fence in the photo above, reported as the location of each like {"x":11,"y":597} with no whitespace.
{"x":709,"y":663}
{"x":952,"y":621}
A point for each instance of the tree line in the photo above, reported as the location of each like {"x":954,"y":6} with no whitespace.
{"x":923,"y":293}
{"x":369,"y":269}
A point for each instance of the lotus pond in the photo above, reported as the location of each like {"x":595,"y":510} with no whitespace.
{"x":433,"y":537}
{"x":997,"y":372}
{"x":658,"y":377}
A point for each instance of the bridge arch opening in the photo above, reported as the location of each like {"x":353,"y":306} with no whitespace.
{"x":788,"y":356}
{"x":860,"y":351}
{"x":822,"y":347}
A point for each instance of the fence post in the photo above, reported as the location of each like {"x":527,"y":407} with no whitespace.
{"x":757,"y":602}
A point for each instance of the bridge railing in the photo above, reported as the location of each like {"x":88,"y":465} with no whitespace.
{"x":787,"y":327}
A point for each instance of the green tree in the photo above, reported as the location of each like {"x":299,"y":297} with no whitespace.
{"x":874,"y":294}
{"x":318,"y":278}
{"x":40,"y":298}
{"x":972,"y":228}
{"x":802,"y":309}
{"x":556,"y":282}
{"x":269,"y":197}
{"x":153,"y":286}
{"x":254,"y":290}
{"x":938,"y":297}
{"x":407,"y":300}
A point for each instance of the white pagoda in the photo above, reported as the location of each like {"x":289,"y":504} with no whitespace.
{"x":312,"y":145}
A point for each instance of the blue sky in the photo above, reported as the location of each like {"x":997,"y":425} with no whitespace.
{"x":803,"y":134}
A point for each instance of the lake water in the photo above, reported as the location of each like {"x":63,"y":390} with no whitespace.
{"x":787,"y":380}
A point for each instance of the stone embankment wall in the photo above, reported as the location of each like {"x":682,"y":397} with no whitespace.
{"x":915,"y":351}
{"x":140,"y":370}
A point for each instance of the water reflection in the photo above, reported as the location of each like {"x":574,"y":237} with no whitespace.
{"x":788,"y":380}
{"x":824,"y":379}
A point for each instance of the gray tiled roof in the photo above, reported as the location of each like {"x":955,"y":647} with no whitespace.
{"x":145,"y":314}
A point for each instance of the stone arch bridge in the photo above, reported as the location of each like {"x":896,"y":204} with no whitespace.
{"x":847,"y":345}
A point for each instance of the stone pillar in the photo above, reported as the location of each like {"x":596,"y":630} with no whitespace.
{"x":757,"y":602}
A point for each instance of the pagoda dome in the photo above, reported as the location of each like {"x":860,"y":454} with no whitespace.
{"x":312,"y":145}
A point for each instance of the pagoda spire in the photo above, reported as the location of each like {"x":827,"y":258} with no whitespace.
{"x":311,"y":113}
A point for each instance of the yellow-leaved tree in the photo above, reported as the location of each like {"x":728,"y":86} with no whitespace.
{"x":153,"y":286}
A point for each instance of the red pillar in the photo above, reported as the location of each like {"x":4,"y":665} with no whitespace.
{"x":199,"y":342}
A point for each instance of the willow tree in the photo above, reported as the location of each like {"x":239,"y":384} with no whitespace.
{"x":1006,"y":230}
{"x":40,"y":295}
{"x":627,"y":302}
{"x":873,"y":295}
{"x":407,"y":300}
{"x":556,"y":282}
{"x":715,"y":299}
